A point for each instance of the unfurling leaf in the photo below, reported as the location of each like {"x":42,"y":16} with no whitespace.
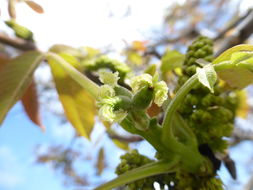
{"x":35,"y":6}
{"x":15,"y":77}
{"x":241,"y":57}
{"x":100,"y":161}
{"x":31,"y":104}
{"x":78,"y":105}
{"x":207,"y":76}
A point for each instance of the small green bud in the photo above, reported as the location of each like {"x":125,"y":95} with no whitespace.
{"x":108,"y":77}
{"x":107,"y":113}
{"x":161,"y":92}
{"x":141,"y":81}
{"x":106,"y":91}
{"x":143,"y":98}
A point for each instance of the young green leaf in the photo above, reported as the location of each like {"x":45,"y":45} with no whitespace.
{"x":78,"y":104}
{"x":171,"y":60}
{"x":15,"y":77}
{"x":239,"y":65}
{"x":226,"y":55}
{"x":207,"y":76}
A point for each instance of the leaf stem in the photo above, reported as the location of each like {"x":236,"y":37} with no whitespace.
{"x":173,"y":105}
{"x":84,"y":81}
{"x":141,"y":172}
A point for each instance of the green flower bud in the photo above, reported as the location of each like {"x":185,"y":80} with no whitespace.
{"x":107,"y":112}
{"x":143,"y":98}
{"x":111,"y":105}
{"x":108,"y":77}
{"x":161,"y":92}
{"x":106,"y":91}
{"x":141,"y":81}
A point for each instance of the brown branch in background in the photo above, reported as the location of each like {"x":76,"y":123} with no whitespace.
{"x":127,"y":139}
{"x":240,"y":135}
{"x":190,"y":33}
{"x":17,"y":43}
{"x":234,"y":24}
{"x":240,"y":34}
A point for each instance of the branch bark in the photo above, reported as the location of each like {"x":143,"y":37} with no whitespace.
{"x":240,"y":34}
{"x":17,"y":43}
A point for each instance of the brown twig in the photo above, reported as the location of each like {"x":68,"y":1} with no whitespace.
{"x":240,"y":34}
{"x":127,"y":139}
{"x":17,"y":43}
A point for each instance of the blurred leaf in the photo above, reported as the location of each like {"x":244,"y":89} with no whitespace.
{"x":243,"y":109}
{"x":36,"y":7}
{"x":106,"y":124}
{"x":78,"y":105}
{"x":151,"y":69}
{"x":120,"y":144}
{"x":134,"y":58}
{"x":4,"y":59}
{"x":207,"y":76}
{"x":226,"y":55}
{"x":31,"y":104}
{"x":12,"y":8}
{"x":15,"y":77}
{"x":237,"y":77}
{"x":171,"y":59}
{"x":90,"y":52}
{"x":100,"y":161}
{"x":139,"y":45}
{"x":68,"y":50}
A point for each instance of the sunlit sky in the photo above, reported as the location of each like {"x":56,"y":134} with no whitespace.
{"x":95,"y":23}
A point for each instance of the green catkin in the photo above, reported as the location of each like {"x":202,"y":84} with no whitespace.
{"x":104,"y":62}
{"x":210,"y":116}
{"x":133,"y":160}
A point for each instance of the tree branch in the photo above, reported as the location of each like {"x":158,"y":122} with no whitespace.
{"x":240,"y":34}
{"x":17,"y":43}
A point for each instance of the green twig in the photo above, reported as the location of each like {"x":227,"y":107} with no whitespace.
{"x":173,"y":105}
{"x":141,"y":172}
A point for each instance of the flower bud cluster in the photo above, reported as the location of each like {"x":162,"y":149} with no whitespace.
{"x":146,"y":81}
{"x":108,"y":101}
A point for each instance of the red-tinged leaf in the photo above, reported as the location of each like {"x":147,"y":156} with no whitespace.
{"x":4,"y":59}
{"x":31,"y":105}
{"x":100,"y":161}
{"x":35,"y":6}
{"x":153,"y":110}
{"x":15,"y":77}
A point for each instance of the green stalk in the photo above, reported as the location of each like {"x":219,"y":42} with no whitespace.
{"x":173,"y":105}
{"x":182,"y":127}
{"x":141,"y":172}
{"x":84,"y":81}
